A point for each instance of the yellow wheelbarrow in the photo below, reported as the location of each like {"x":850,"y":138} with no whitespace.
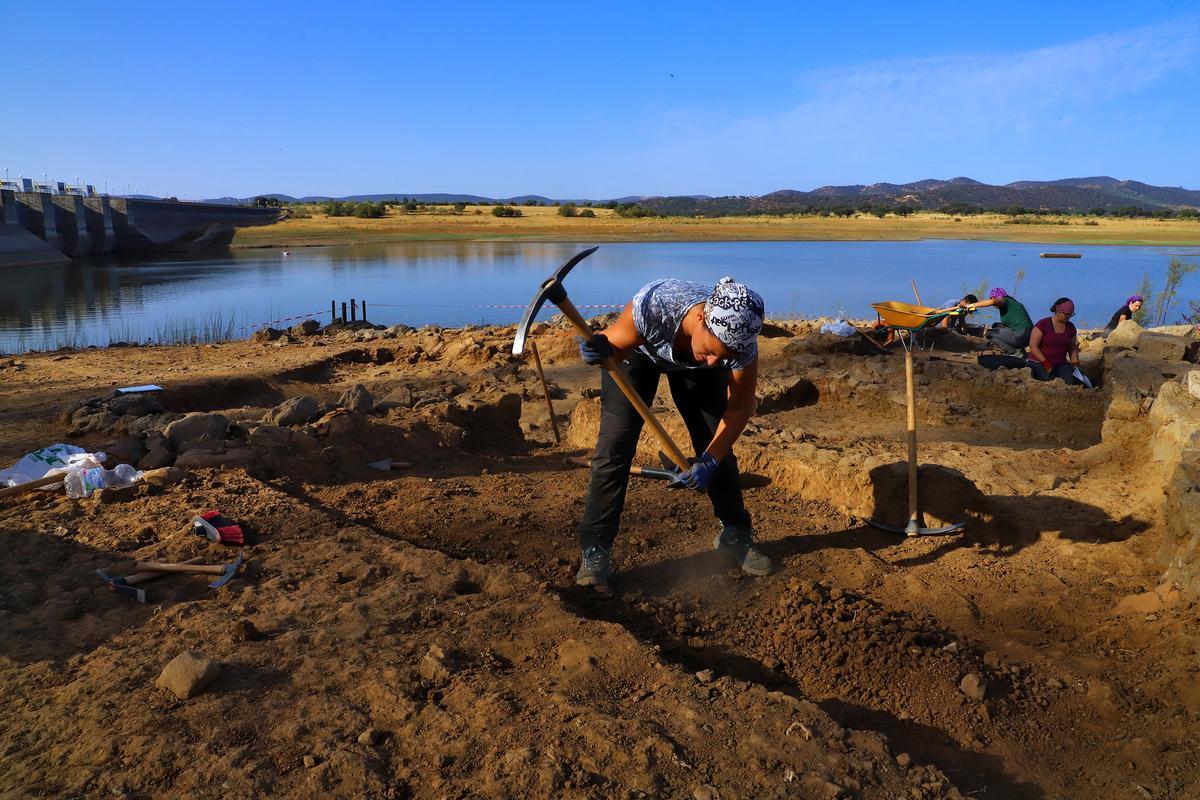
{"x":907,"y":320}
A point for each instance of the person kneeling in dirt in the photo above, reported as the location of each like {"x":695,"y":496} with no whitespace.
{"x":1011,"y":333}
{"x":706,"y":342}
{"x":1054,"y":346}
{"x":1131,"y":307}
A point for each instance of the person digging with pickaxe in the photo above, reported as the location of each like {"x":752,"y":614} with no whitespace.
{"x":706,"y":342}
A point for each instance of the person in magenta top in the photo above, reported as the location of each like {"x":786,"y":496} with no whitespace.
{"x":1054,"y":345}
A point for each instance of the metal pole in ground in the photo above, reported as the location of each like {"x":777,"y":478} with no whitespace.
{"x":332,"y":311}
{"x":353,"y":308}
{"x":537,"y":359}
{"x":364,"y":310}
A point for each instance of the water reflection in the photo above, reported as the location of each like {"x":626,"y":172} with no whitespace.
{"x":457,"y":282}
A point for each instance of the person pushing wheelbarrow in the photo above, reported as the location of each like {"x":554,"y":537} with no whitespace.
{"x":705,"y":340}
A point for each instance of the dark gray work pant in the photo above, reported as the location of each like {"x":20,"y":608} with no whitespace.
{"x":1007,"y":339}
{"x":1064,"y":372}
{"x":701,"y":396}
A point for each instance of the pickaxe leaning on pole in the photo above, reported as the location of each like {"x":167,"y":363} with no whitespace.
{"x":704,"y":339}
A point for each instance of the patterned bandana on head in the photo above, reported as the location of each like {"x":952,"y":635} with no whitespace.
{"x":734,"y":313}
{"x":997,"y":293}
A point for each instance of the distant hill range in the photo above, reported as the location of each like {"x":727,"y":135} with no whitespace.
{"x":435,"y":197}
{"x":957,"y":195}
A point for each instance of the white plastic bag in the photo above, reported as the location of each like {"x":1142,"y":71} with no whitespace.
{"x":57,"y":458}
{"x":839,"y":327}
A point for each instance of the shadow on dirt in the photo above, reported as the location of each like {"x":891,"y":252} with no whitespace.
{"x":53,"y":605}
{"x":974,"y":774}
{"x":1006,"y":524}
{"x":971,"y":772}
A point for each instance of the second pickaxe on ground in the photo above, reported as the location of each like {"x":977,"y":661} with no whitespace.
{"x":225,"y":571}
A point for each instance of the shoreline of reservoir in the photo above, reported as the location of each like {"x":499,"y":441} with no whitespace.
{"x":544,"y":224}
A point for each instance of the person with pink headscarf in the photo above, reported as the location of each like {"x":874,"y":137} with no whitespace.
{"x":1054,"y":345}
{"x":1011,"y":333}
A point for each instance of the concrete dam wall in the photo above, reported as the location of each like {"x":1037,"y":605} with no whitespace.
{"x":46,"y":228}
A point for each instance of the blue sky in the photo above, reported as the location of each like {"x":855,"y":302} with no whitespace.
{"x":595,"y":99}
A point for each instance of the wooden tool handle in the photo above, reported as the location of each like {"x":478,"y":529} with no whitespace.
{"x":910,"y":397}
{"x":205,"y":569}
{"x":537,"y":359}
{"x":622,"y":380}
{"x":142,"y":577}
{"x":22,"y":488}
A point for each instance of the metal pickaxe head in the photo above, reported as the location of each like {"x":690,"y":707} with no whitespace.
{"x":551,"y":289}
{"x":230,"y":571}
{"x":122,"y":587}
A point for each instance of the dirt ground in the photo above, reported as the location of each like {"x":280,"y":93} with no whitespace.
{"x":416,"y":632}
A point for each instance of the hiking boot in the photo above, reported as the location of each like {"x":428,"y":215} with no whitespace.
{"x":594,"y":567}
{"x":738,"y":544}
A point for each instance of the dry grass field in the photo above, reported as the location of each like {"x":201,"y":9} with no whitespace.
{"x":544,"y":223}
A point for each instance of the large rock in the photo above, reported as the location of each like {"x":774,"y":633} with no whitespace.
{"x":1165,"y":347}
{"x":357,"y":399}
{"x":158,"y":453}
{"x":1179,"y":551}
{"x":1125,"y":335}
{"x":138,"y":404}
{"x":1133,"y":381}
{"x":486,"y":418}
{"x":188,"y":674}
{"x":400,"y":396}
{"x":295,"y":411}
{"x":310,"y":327}
{"x":1175,"y":421}
{"x":197,"y":427}
{"x":1193,"y":383}
{"x":266,"y":335}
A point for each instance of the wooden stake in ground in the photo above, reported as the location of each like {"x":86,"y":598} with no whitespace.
{"x":545,"y":391}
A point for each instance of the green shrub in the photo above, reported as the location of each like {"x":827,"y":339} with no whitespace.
{"x":587,"y":212}
{"x":506,"y":211}
{"x":566,"y":210}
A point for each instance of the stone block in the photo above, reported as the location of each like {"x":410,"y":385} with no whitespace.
{"x":295,"y":411}
{"x":1125,"y":335}
{"x":1163,"y":347}
{"x":357,"y":399}
{"x":197,"y":427}
{"x":1175,"y":420}
{"x":1179,"y":551}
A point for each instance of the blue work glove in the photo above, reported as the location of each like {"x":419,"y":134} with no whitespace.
{"x":700,"y":474}
{"x":595,"y":350}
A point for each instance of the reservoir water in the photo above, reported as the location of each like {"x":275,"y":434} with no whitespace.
{"x":455,"y":283}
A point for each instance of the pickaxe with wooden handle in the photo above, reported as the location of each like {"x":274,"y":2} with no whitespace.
{"x":127,"y":586}
{"x":552,"y":289}
{"x":225,"y":571}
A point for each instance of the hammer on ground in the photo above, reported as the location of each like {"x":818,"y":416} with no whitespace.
{"x":225,"y":571}
{"x":127,"y":586}
{"x":552,"y":289}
